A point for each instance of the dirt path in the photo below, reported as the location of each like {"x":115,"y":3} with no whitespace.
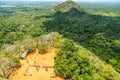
{"x":28,"y":71}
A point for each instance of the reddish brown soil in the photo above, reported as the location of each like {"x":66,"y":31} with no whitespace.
{"x":28,"y":71}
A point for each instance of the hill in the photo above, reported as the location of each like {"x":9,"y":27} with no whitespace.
{"x":95,"y":32}
{"x":66,"y":6}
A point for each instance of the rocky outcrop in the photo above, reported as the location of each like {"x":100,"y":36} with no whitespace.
{"x":6,"y":67}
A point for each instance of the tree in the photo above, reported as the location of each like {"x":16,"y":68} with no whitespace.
{"x":42,"y":48}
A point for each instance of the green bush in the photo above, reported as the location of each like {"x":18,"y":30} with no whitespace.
{"x":42,"y":48}
{"x":14,"y":59}
{"x":58,"y":40}
{"x":2,"y":76}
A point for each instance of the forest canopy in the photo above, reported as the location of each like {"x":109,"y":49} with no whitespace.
{"x":87,"y":34}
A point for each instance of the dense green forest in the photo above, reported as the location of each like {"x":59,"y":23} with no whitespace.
{"x":88,"y":36}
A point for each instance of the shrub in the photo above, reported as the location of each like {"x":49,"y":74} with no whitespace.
{"x":42,"y":48}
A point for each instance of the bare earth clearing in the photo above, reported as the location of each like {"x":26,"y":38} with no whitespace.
{"x":37,"y":67}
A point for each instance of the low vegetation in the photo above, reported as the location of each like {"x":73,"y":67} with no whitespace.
{"x":76,"y":63}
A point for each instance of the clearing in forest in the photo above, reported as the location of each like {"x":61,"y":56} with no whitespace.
{"x":37,"y":66}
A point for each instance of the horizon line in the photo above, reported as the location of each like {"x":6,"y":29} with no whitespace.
{"x":56,"y":1}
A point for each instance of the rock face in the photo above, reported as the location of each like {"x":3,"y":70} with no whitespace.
{"x":5,"y":67}
{"x":66,"y":6}
{"x":48,"y":39}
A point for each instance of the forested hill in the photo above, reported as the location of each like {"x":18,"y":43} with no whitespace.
{"x":66,"y":6}
{"x":99,"y":34}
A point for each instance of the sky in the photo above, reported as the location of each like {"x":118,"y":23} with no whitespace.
{"x":73,"y":0}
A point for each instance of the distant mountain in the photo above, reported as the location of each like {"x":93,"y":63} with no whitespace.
{"x":66,"y":6}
